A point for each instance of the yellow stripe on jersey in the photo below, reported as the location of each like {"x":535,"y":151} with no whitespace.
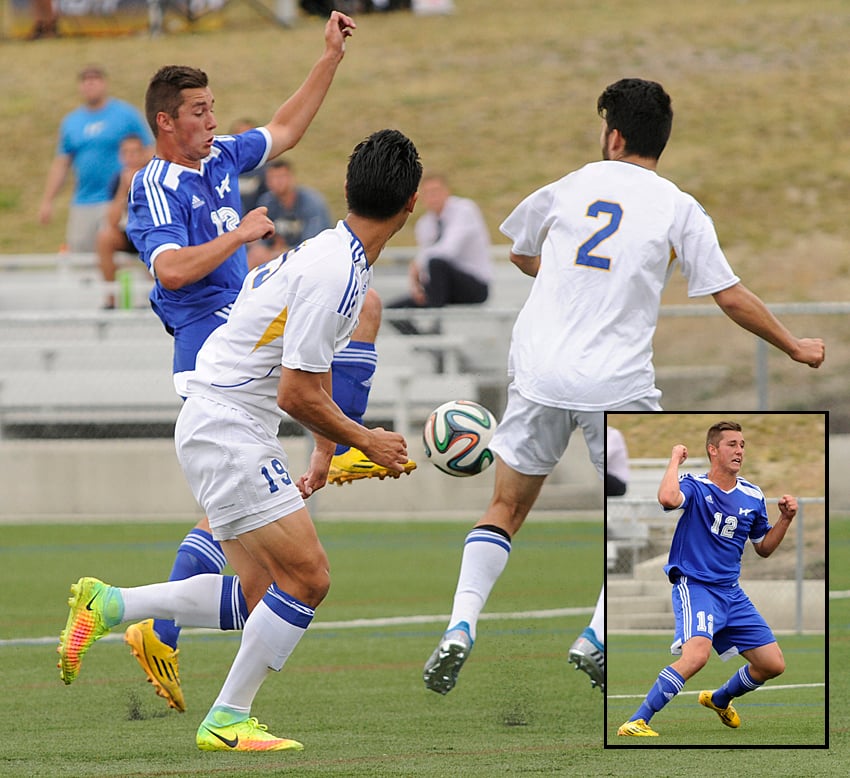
{"x":274,"y":330}
{"x":672,"y":257}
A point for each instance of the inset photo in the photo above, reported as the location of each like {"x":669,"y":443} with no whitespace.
{"x":716,"y":571}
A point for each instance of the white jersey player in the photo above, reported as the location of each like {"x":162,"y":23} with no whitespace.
{"x":608,"y":236}
{"x":601,"y":243}
{"x":273,"y":354}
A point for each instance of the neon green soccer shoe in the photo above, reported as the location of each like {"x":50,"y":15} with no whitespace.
{"x":96,"y":607}
{"x":248,"y":735}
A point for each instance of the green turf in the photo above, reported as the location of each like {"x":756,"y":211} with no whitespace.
{"x":354,"y":696}
{"x":633,"y":665}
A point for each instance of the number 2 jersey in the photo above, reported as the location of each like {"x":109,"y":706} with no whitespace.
{"x":608,"y":236}
{"x":713,"y":529}
{"x":296,"y":310}
{"x":172,"y":207}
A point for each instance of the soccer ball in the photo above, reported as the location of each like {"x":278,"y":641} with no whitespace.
{"x":457,"y":437}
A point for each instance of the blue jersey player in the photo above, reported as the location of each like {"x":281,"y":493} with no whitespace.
{"x":185,"y":219}
{"x":720,"y":512}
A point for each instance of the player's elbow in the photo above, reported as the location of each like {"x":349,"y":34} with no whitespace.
{"x":669,"y":498}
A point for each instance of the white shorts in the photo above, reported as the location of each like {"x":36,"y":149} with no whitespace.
{"x":237,"y":470}
{"x":531,"y":438}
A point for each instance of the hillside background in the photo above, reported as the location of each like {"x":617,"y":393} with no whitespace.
{"x":501,"y":96}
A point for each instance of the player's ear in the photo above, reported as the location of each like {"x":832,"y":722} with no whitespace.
{"x":411,"y":203}
{"x":164,"y":122}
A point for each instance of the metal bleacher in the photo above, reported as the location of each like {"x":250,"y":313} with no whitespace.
{"x":67,"y":365}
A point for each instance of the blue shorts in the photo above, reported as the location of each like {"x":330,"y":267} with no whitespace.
{"x":189,"y":338}
{"x":722,"y":613}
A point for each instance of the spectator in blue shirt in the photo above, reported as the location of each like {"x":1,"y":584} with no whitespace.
{"x":89,"y":141}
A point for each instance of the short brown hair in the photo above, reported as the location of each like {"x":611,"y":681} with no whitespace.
{"x":715,"y":432}
{"x":165,"y":91}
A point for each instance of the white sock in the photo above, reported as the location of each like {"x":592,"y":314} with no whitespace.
{"x":267,"y":642}
{"x":597,"y":623}
{"x":193,"y":602}
{"x":485,"y":555}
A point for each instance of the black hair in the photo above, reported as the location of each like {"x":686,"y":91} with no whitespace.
{"x":642,"y":111}
{"x":384,"y":171}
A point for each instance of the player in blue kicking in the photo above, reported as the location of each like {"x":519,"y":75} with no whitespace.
{"x":185,"y":218}
{"x":720,"y":511}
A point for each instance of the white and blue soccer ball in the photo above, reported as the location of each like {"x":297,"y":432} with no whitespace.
{"x":457,"y":437}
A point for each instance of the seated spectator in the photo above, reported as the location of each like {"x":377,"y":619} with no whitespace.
{"x":298,"y":213}
{"x":616,"y":463}
{"x":112,"y":237}
{"x":453,"y":264}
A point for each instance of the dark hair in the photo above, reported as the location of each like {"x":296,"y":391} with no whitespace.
{"x":165,"y":90}
{"x":715,"y":432}
{"x":641,"y":111}
{"x":384,"y":171}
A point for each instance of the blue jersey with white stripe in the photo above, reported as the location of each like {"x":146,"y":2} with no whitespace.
{"x":714,"y":526}
{"x":172,"y":206}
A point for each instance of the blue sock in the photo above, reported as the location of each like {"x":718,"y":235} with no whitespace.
{"x":668,"y":685}
{"x":740,"y":683}
{"x":288,"y":608}
{"x":233,"y":610}
{"x":352,"y":370}
{"x":198,"y":553}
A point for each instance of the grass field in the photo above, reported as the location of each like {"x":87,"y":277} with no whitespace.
{"x":353,"y":694}
{"x":635,"y":660}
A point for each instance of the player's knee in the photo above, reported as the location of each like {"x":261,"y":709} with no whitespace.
{"x":773,"y":667}
{"x":315,"y":586}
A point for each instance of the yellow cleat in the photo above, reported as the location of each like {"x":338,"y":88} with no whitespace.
{"x":248,"y":735}
{"x":95,"y":607}
{"x":352,"y":465}
{"x":728,"y":715}
{"x":637,"y":728}
{"x":158,"y":660}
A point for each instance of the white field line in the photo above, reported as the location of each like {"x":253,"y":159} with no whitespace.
{"x":765,"y":688}
{"x":392,"y":621}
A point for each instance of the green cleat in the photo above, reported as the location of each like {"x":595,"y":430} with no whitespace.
{"x":94,"y":610}
{"x":728,"y":715}
{"x":247,"y":735}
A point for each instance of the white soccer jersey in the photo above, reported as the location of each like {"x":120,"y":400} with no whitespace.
{"x":608,"y":236}
{"x":296,"y":311}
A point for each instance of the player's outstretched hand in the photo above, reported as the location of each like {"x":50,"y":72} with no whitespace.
{"x":787,"y":507}
{"x":338,"y":28}
{"x":388,"y":449}
{"x":809,"y":351}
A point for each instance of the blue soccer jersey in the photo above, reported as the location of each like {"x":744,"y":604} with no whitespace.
{"x":172,"y":206}
{"x":714,"y":526}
